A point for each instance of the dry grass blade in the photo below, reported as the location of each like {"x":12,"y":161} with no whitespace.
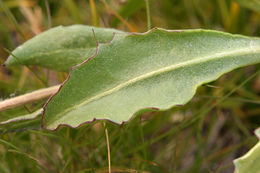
{"x":28,"y":98}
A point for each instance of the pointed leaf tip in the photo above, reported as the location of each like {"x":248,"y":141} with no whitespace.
{"x":61,"y":47}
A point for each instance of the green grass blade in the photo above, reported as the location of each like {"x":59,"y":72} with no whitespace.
{"x":12,"y":18}
{"x":252,"y":4}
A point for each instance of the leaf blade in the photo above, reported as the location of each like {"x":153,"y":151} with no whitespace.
{"x":61,"y":47}
{"x":132,"y":73}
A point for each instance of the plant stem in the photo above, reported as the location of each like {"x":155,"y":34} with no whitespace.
{"x":148,"y":14}
{"x":48,"y":13}
{"x":108,"y":150}
{"x":28,"y":98}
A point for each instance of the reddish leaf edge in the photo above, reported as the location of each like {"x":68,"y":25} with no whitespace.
{"x":151,"y":109}
{"x":142,"y":109}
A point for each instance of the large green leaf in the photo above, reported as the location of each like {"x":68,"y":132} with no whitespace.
{"x":61,"y":47}
{"x":251,"y":4}
{"x":250,"y":161}
{"x":158,"y":69}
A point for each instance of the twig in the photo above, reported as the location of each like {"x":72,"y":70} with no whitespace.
{"x":28,"y":98}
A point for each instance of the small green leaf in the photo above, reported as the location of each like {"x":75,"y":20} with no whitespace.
{"x":251,"y":4}
{"x":23,"y":117}
{"x":61,"y":47}
{"x":159,"y":69}
{"x":250,"y":161}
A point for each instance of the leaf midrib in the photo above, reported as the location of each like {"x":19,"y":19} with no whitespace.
{"x":248,"y":50}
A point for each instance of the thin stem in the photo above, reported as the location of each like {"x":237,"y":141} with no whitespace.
{"x":224,"y":13}
{"x":28,"y":98}
{"x":148,"y":14}
{"x":48,"y":13}
{"x":108,"y":150}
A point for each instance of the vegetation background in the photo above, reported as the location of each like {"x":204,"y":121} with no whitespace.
{"x":188,"y":138}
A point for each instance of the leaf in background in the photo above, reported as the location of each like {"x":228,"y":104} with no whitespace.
{"x":22,"y":125}
{"x":61,"y":47}
{"x":158,"y":69}
{"x":250,"y":161}
{"x":23,"y":117}
{"x":251,"y":4}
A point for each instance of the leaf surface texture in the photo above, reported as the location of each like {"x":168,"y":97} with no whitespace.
{"x":158,"y":69}
{"x":61,"y":47}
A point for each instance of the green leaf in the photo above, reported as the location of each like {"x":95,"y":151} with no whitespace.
{"x":251,"y":4}
{"x":159,"y":69}
{"x":61,"y":47}
{"x":21,"y":125}
{"x":23,"y":117}
{"x":250,"y":161}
